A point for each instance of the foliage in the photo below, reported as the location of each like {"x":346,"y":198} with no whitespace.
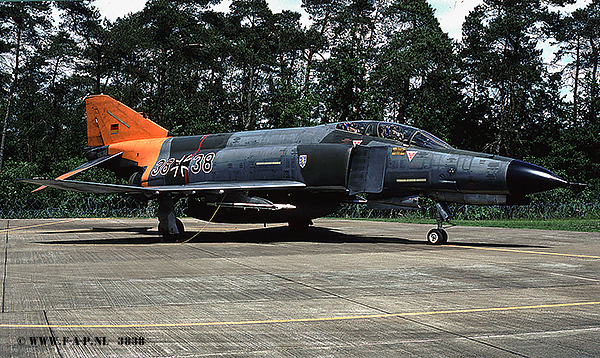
{"x":555,"y":205}
{"x":194,"y":70}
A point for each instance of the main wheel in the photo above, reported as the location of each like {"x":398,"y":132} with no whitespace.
{"x":437,"y":237}
{"x":181,"y":228}
{"x":299,"y":226}
{"x":168,"y":237}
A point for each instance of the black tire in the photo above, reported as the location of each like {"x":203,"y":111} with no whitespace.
{"x":444,"y":236}
{"x":437,"y":237}
{"x":167,"y":237}
{"x":299,"y":226}
{"x":181,"y":228}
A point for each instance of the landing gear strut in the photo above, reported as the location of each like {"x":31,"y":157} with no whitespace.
{"x":168,"y":225}
{"x":439,"y":236}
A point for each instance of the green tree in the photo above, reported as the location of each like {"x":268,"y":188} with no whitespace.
{"x":416,"y":77}
{"x":158,"y":62}
{"x":23,"y":25}
{"x":386,"y":61}
{"x":286,"y":106}
{"x":576,"y":151}
{"x":82,"y":23}
{"x":504,"y":71}
{"x":343,"y":75}
{"x":578,"y":37}
{"x":252,"y":54}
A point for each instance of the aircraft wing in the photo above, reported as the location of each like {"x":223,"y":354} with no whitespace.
{"x":189,"y":189}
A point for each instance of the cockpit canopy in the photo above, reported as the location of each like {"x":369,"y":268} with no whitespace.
{"x":398,"y":132}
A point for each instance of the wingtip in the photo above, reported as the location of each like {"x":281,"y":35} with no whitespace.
{"x":32,"y":181}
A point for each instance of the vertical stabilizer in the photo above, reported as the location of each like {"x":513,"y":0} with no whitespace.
{"x":110,"y":121}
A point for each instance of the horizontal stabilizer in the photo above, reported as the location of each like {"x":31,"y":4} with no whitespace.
{"x":189,"y":189}
{"x":82,"y":168}
{"x":84,"y":187}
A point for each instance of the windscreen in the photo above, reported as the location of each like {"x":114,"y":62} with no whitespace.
{"x":410,"y":136}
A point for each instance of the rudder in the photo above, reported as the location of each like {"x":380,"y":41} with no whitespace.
{"x":110,"y":121}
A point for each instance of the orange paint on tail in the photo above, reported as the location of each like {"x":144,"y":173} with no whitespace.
{"x":126,"y":133}
{"x":110,"y":121}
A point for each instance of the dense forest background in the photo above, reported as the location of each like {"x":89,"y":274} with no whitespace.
{"x":194,"y":70}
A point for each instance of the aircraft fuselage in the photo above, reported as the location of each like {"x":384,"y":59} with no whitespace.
{"x":333,"y":163}
{"x":296,"y":174}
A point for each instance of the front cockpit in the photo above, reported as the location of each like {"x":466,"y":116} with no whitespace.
{"x":407,"y":135}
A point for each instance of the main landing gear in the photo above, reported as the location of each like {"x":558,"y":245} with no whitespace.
{"x":169,"y":226}
{"x":439,"y":236}
{"x":299,"y":226}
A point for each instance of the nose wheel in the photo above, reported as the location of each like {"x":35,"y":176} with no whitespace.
{"x":439,"y":236}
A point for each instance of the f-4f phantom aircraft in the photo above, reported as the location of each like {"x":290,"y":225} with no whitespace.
{"x":293,"y":175}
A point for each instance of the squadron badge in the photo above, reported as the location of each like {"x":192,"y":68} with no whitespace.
{"x":302,"y":160}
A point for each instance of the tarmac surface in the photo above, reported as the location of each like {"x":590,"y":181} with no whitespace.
{"x":108,"y":287}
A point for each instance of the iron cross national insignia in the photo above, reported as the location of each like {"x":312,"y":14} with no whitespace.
{"x":302,"y":160}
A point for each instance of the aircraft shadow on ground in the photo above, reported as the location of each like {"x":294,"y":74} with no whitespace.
{"x":263,"y":235}
{"x":146,"y":235}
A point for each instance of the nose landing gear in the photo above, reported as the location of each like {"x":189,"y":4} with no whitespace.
{"x":439,"y":236}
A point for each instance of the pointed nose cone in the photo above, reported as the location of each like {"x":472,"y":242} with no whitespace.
{"x":524,"y":178}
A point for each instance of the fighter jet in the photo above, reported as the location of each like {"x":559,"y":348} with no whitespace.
{"x":293,"y":175}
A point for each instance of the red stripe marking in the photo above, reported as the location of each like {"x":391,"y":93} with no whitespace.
{"x":200,"y":146}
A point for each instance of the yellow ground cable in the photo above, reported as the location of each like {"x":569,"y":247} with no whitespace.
{"x":208,"y":222}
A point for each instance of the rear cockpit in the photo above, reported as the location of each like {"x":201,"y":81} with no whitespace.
{"x":404,"y":134}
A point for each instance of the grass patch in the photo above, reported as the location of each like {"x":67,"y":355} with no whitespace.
{"x":583,"y":225}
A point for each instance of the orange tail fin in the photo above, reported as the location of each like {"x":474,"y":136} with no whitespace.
{"x":110,"y":121}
